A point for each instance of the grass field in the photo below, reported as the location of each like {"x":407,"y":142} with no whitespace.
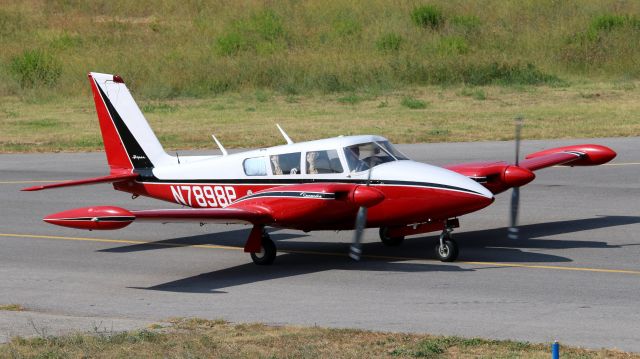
{"x":413,"y":70}
{"x":170,"y":49}
{"x":196,"y":338}
{"x":421,"y":114}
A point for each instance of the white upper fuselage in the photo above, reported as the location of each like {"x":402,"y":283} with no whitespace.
{"x":232,"y":166}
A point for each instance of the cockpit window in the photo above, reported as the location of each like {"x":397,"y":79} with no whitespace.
{"x":392,"y":150}
{"x":364,"y":155}
{"x":323,"y":162}
{"x":286,"y":164}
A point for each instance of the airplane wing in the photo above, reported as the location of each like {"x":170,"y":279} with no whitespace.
{"x":498,"y":176}
{"x":285,"y":205}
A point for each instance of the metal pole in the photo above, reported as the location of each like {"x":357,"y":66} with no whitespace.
{"x":555,"y":350}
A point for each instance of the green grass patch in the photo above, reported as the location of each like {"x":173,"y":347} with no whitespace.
{"x":473,"y":92}
{"x":33,"y":68}
{"x":413,"y":103}
{"x":178,"y":50}
{"x":350,"y":99}
{"x":389,"y":42}
{"x":428,"y":16}
{"x":240,"y":121}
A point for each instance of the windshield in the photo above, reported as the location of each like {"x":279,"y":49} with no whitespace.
{"x":362,"y":156}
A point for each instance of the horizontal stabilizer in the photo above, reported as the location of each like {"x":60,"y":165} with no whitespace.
{"x":103,"y":179}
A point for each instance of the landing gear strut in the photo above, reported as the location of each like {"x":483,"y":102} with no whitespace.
{"x":267,"y":252}
{"x":388,"y":240}
{"x":447,"y":248}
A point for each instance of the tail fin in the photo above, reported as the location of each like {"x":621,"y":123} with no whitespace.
{"x":128,"y":140}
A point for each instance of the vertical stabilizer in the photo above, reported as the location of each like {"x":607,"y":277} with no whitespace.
{"x":128,"y":140}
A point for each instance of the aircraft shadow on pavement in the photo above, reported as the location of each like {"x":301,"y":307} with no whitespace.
{"x":485,"y":245}
{"x":234,"y":237}
{"x":290,"y":265}
{"x":491,"y":244}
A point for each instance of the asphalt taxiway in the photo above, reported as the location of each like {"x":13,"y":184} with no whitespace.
{"x":573,"y":276}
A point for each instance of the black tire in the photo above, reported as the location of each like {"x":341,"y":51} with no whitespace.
{"x":267,"y":253}
{"x":449,"y":251}
{"x":389,"y":241}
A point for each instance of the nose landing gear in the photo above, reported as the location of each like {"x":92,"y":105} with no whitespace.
{"x":447,"y":248}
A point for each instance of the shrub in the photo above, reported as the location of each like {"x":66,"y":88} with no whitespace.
{"x":230,"y":43}
{"x":428,"y":16}
{"x":507,"y":74}
{"x":35,"y":68}
{"x":262,"y":32}
{"x":413,"y":103}
{"x":389,"y":42}
{"x":608,"y":22}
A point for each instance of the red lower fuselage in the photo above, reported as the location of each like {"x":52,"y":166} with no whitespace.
{"x":402,"y":205}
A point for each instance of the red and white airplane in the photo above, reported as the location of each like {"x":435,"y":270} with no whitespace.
{"x":332,"y":184}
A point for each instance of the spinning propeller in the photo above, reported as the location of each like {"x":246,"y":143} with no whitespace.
{"x":515,"y":192}
{"x":361,"y":220}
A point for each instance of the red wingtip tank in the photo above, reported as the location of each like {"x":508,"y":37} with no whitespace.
{"x":593,"y":154}
{"x":98,"y":218}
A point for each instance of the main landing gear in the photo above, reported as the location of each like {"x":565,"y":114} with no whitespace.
{"x":447,"y":248}
{"x":267,"y":252}
{"x":388,"y":240}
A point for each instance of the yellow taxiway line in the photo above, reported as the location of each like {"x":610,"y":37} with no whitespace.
{"x":214,"y":246}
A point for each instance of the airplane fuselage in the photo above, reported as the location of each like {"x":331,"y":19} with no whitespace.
{"x":413,"y":192}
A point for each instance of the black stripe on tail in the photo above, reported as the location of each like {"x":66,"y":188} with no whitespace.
{"x":136,"y":154}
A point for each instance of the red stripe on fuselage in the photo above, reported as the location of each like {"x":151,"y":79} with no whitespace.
{"x":402,"y":204}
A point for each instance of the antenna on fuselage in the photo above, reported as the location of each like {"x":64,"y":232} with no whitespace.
{"x":284,"y":134}
{"x":224,"y":151}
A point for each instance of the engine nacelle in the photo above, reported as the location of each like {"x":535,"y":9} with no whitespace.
{"x":99,"y":218}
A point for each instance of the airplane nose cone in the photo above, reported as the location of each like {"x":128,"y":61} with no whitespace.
{"x":473,"y":197}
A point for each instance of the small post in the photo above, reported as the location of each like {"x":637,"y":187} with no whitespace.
{"x":555,"y":350}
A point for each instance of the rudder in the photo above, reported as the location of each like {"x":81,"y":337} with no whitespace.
{"x":128,"y":140}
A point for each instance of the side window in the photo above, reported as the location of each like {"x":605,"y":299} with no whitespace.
{"x":286,"y":164}
{"x":255,"y":166}
{"x":319,"y":162}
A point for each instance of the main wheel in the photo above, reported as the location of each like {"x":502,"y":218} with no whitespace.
{"x":448,"y":251}
{"x":267,"y":252}
{"x":390,"y":241}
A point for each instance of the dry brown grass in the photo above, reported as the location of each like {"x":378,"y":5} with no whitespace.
{"x":198,"y":338}
{"x":248,"y":119}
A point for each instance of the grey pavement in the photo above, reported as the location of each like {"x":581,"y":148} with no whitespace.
{"x":576,"y":224}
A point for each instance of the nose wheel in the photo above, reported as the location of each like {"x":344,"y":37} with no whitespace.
{"x":267,"y":253}
{"x":447,"y":248}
